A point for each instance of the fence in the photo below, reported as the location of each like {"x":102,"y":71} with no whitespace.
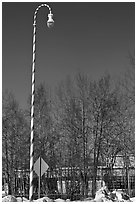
{"x":68,"y":182}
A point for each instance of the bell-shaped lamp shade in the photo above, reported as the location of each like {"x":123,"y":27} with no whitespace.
{"x":50,"y":21}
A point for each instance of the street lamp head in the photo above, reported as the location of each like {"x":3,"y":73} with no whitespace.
{"x":50,"y":21}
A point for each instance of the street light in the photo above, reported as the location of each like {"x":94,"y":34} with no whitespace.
{"x":50,"y":23}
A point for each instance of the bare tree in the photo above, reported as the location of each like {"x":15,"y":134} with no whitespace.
{"x":105,"y":105}
{"x":73,"y":112}
{"x":14,"y":138}
{"x":44,"y":127}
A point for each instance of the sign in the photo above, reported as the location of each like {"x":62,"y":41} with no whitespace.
{"x":40,"y":166}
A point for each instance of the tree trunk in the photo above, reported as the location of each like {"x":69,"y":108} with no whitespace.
{"x":94,"y":180}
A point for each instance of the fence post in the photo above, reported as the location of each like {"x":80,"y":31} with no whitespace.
{"x":128,"y":178}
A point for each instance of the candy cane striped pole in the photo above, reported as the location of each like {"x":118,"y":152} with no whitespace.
{"x":32,"y":96}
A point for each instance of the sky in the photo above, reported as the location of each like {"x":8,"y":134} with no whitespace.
{"x":90,"y":37}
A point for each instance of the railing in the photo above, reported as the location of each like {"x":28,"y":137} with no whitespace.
{"x":67,"y":183}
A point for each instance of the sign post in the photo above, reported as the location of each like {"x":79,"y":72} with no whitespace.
{"x":40,"y":168}
{"x":39,"y":176}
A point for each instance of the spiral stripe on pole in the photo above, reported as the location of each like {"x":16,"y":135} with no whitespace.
{"x":32,"y":111}
{"x":32,"y":101}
